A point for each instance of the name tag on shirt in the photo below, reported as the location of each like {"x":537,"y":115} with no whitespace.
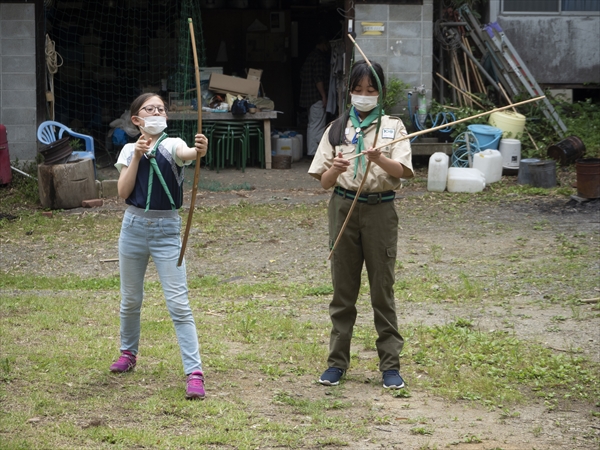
{"x":388,"y":133}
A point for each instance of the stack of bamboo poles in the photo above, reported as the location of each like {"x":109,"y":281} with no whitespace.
{"x":467,"y":83}
{"x":463,"y":86}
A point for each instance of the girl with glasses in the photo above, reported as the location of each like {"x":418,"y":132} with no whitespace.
{"x":151,"y":182}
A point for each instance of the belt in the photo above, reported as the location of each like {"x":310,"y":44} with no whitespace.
{"x":372,"y":198}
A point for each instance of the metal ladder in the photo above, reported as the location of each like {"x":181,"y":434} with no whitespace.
{"x":510,"y":69}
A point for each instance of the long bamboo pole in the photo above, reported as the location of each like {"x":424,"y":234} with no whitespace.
{"x":475,"y":68}
{"x":461,"y":80}
{"x":473,"y":98}
{"x":466,"y":64}
{"x":197,"y":170}
{"x":418,"y":133}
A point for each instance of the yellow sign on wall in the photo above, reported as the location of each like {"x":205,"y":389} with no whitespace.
{"x":372,"y":28}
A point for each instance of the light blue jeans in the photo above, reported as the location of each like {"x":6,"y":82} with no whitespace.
{"x":157,"y":234}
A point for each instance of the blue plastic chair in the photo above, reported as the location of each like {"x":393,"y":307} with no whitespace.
{"x":51,"y":131}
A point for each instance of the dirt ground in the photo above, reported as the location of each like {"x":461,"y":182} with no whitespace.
{"x":462,"y":238}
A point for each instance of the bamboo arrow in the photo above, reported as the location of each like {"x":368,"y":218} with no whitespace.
{"x":197,"y":170}
{"x":362,"y":183}
{"x":418,"y":133}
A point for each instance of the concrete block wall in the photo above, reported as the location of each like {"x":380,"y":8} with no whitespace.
{"x":18,"y":79}
{"x":405,"y":48}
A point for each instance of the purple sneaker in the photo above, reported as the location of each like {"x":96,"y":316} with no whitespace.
{"x":125,"y":363}
{"x":195,"y":385}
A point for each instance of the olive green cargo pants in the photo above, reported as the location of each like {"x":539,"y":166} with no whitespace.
{"x":371,"y":236}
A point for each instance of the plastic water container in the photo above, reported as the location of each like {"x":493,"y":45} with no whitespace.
{"x":437,"y":173}
{"x":510,"y":149}
{"x":490,"y":163}
{"x":274,"y":139}
{"x":297,"y":148}
{"x":465,"y":179}
{"x":284,"y":147}
{"x":511,"y":123}
{"x":487,"y":136}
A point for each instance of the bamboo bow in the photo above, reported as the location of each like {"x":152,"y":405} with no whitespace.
{"x":362,"y":183}
{"x":197,"y":170}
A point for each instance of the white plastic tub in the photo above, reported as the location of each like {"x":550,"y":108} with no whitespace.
{"x":465,"y":179}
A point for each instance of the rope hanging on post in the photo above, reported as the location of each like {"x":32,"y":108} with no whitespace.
{"x":52,"y":66}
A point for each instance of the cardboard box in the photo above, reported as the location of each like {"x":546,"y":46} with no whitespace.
{"x":233,"y":85}
{"x":254,"y":74}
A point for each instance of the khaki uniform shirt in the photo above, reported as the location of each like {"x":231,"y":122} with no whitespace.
{"x":378,"y":180}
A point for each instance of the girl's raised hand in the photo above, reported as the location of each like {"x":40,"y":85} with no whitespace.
{"x":142,"y":146}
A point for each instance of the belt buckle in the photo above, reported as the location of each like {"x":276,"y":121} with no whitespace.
{"x":373,"y":199}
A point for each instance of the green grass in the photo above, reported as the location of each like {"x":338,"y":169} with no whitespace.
{"x":57,"y":345}
{"x":264,"y":338}
{"x":496,"y":368}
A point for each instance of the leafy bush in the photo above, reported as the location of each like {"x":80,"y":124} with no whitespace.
{"x":583,"y":120}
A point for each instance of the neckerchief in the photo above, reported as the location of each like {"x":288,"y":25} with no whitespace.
{"x":359,"y":136}
{"x":154,"y":169}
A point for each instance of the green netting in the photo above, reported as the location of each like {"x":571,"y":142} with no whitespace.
{"x":107,"y":53}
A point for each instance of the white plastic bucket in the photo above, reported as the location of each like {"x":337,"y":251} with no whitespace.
{"x":490,"y":163}
{"x":511,"y":123}
{"x":510,"y":149}
{"x":437,"y":173}
{"x":465,"y":179}
{"x":284,"y":147}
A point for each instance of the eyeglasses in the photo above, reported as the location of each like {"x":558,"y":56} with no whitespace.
{"x":150,"y":109}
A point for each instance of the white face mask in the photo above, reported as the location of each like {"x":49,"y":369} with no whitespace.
{"x":154,"y":125}
{"x":364,"y":103}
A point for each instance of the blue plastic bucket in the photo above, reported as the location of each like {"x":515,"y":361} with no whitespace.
{"x":487,"y":136}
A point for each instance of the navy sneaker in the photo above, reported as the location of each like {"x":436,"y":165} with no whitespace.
{"x":332,"y":376}
{"x":392,"y":380}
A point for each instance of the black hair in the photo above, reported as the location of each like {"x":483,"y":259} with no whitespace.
{"x":360,"y":70}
